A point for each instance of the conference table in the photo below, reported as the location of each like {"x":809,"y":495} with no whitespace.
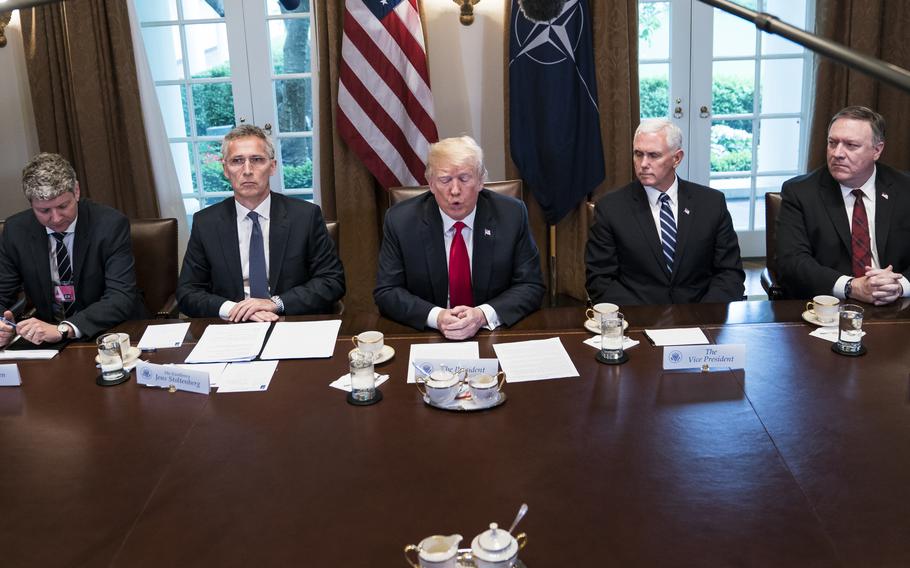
{"x":800,"y":459}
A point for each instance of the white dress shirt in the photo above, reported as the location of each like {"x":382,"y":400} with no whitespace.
{"x":244,"y":233}
{"x":467,"y":233}
{"x":68,"y":240}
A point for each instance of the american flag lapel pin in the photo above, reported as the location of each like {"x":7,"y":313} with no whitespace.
{"x":487,"y":233}
{"x":884,"y":195}
{"x":686,"y":210}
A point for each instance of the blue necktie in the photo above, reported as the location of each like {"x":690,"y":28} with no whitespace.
{"x":259,"y":281}
{"x":64,"y":266}
{"x":667,"y":230}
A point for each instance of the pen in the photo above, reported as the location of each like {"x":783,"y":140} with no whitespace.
{"x":12,"y":324}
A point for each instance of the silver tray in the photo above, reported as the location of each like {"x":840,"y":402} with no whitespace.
{"x":464,"y":559}
{"x":465,"y":404}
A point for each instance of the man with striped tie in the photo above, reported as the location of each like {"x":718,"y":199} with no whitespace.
{"x":661,"y":239}
{"x":72,"y":257}
{"x":843,"y":229}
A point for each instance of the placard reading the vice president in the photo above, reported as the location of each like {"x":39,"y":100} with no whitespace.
{"x":705,"y":357}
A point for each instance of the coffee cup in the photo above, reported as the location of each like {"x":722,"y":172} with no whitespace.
{"x":485,"y":388}
{"x":441,"y":387}
{"x":824,"y":308}
{"x":601,"y":311}
{"x":369,"y":341}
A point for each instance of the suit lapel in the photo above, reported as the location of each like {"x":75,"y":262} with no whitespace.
{"x":683,"y":223}
{"x":484,"y":242}
{"x":833,"y":200}
{"x":80,"y":248}
{"x":39,"y":244}
{"x":641,"y":210}
{"x":431,"y":234}
{"x":883,"y":210}
{"x":230,"y":246}
{"x":279,"y":229}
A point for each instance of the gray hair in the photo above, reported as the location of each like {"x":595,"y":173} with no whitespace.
{"x":244,"y":131}
{"x":48,"y":176}
{"x":656,"y":125}
{"x":460,"y":151}
{"x":856,"y":112}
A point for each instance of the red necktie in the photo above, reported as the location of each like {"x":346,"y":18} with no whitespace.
{"x":460,"y":293}
{"x":862,"y":251}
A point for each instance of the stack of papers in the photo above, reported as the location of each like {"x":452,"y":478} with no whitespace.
{"x":7,"y":355}
{"x":680,"y":336}
{"x":302,"y":340}
{"x":229,"y":342}
{"x":534,"y":360}
{"x":163,"y":336}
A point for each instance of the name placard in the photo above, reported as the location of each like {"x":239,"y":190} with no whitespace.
{"x":473,"y":366}
{"x":9,"y":375}
{"x":167,"y":376}
{"x":705,"y":357}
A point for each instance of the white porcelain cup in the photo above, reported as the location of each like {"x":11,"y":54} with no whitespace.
{"x":369,"y":341}
{"x":435,"y":552}
{"x":601,"y":311}
{"x":485,"y":388}
{"x":442,"y":387}
{"x":824,"y":307}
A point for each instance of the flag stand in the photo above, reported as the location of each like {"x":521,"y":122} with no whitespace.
{"x":553,"y":290}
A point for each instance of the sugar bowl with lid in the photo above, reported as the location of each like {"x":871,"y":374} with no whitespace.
{"x":497,"y":548}
{"x":441,"y":387}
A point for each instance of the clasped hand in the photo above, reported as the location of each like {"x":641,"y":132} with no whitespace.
{"x":460,"y":322}
{"x":879,"y":286}
{"x":254,"y":309}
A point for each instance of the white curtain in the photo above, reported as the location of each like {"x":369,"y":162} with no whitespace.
{"x":170,"y":202}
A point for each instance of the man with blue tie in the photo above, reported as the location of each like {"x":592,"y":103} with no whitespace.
{"x":259,"y":254}
{"x":661,"y":239}
{"x":72,"y":258}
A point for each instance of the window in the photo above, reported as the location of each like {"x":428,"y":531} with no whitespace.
{"x":217,"y":63}
{"x":741,"y":98}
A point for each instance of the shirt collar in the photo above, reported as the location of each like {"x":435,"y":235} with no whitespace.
{"x":654,"y":193}
{"x":263,"y":209}
{"x":70,"y":229}
{"x":448,"y":222}
{"x":868,"y":187}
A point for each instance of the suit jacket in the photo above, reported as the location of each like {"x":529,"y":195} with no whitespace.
{"x":304,"y":269}
{"x":413,"y":272}
{"x":103,"y":273}
{"x":624,"y":257}
{"x":813,"y":231}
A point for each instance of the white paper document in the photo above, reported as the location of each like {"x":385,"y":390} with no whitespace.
{"x":344,"y":381}
{"x":534,"y":360}
{"x":229,"y":342}
{"x":302,"y":340}
{"x":681,"y":336}
{"x":247,"y":377}
{"x":213,"y":369}
{"x":627,"y":342}
{"x":164,"y":335}
{"x":28,"y":354}
{"x":461,"y":350}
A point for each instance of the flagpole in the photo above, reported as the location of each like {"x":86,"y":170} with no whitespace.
{"x":553,"y":269}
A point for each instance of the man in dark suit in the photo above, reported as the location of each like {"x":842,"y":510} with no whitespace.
{"x":71,"y":257}
{"x":259,"y":254}
{"x":458,"y":257}
{"x":844,"y":229}
{"x":662,"y":240}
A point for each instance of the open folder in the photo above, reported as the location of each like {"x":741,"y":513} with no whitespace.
{"x":223,"y":343}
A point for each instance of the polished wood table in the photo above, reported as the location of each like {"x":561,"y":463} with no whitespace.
{"x":799,"y":460}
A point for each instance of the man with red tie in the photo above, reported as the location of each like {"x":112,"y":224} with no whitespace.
{"x":458,"y":257}
{"x":844,"y":229}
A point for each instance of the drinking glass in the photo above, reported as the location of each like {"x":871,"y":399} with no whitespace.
{"x":363,"y":381}
{"x":850,"y":332}
{"x":611,"y":336}
{"x":110,"y":357}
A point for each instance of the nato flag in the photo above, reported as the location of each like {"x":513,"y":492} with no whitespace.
{"x":553,"y":116}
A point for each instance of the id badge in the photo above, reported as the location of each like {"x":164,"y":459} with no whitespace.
{"x":65,"y":293}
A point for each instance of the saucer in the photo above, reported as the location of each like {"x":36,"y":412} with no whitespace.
{"x":809,"y":316}
{"x":383,"y":355}
{"x":467,"y":404}
{"x":130,"y":358}
{"x":592,"y":326}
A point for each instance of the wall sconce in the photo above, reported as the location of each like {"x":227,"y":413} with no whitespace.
{"x":5,"y":17}
{"x":467,"y":11}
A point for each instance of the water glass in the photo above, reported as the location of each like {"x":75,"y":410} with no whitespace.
{"x":110,"y":357}
{"x":363,"y":380}
{"x":611,"y":336}
{"x":850,"y":332}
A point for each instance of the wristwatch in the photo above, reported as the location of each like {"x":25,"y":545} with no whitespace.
{"x":279,"y":303}
{"x":64,"y":330}
{"x":848,"y":289}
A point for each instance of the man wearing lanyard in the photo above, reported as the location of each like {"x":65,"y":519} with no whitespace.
{"x":72,"y":257}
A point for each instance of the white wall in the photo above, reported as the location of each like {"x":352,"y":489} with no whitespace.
{"x":466,"y":75}
{"x":19,"y":140}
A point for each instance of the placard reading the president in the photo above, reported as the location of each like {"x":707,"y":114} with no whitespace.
{"x":9,"y":376}
{"x":705,"y":357}
{"x":167,"y":376}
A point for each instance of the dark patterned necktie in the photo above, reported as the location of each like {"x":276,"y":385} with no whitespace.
{"x":460,"y":291}
{"x":862,"y":250}
{"x":64,"y":266}
{"x":259,"y":281}
{"x":667,"y":230}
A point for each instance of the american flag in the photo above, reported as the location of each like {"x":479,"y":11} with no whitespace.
{"x":385,"y":107}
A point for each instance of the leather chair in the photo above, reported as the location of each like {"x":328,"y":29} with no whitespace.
{"x":21,"y":306}
{"x":770,"y":280}
{"x":154,"y":243}
{"x":589,"y":213}
{"x":334,"y":233}
{"x":511,"y":188}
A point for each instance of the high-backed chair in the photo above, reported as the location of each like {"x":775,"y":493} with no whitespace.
{"x":334,"y":234}
{"x":589,"y":213}
{"x":770,"y":279}
{"x":511,"y":188}
{"x":155,"y":251}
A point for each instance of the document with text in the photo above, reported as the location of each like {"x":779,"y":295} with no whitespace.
{"x":163,"y":336}
{"x":229,"y":342}
{"x":302,"y":340}
{"x":534,"y":360}
{"x":247,"y":377}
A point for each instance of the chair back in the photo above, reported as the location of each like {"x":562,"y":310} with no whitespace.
{"x":154,"y":243}
{"x":332,"y":228}
{"x":511,"y":188}
{"x":770,"y":279}
{"x":589,"y":213}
